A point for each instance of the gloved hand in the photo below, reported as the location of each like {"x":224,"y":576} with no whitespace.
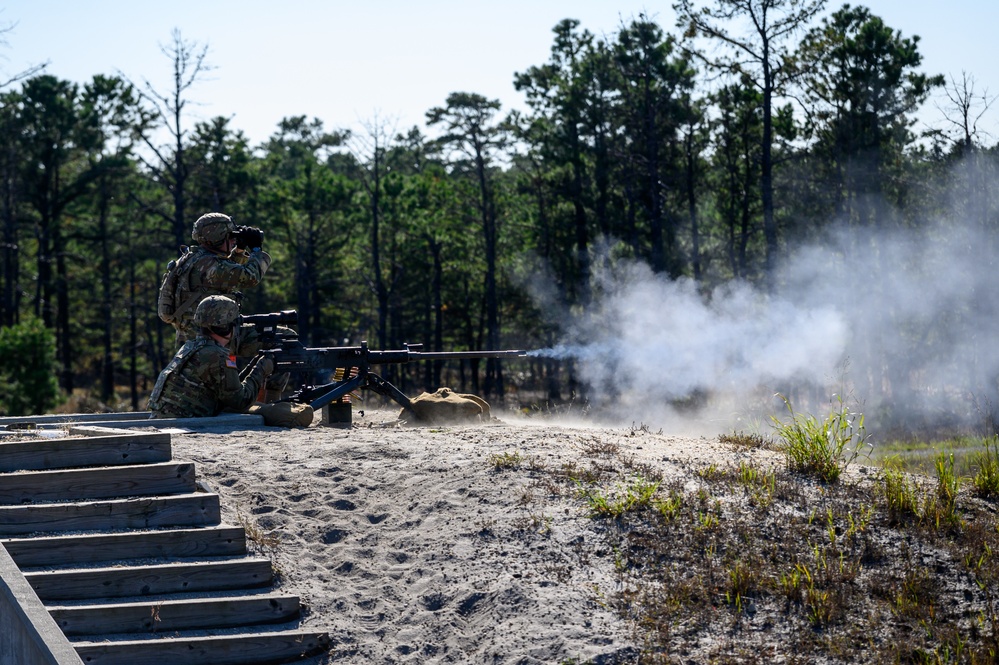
{"x":249,"y":237}
{"x":266,"y":365}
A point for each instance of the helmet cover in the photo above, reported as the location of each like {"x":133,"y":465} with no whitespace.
{"x":216,"y":311}
{"x":213,"y":228}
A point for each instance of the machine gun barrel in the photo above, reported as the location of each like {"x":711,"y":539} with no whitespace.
{"x":295,"y":356}
{"x":465,"y":355}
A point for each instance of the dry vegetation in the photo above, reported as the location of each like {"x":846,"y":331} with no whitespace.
{"x":544,"y":542}
{"x":762,"y":563}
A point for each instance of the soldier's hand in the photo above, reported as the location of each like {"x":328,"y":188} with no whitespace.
{"x":266,"y":366}
{"x":249,"y":237}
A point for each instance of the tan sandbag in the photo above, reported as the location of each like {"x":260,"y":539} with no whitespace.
{"x":284,"y":414}
{"x":444,"y":406}
{"x":483,"y":404}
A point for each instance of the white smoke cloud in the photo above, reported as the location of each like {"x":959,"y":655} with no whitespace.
{"x":901,"y":323}
{"x":648,"y":342}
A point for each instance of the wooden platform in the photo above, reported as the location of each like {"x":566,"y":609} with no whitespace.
{"x":131,"y":560}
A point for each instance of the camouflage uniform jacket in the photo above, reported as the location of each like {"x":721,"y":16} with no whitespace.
{"x":210,"y":273}
{"x":202,"y":380}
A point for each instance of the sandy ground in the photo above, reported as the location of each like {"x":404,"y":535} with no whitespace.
{"x":411,"y":545}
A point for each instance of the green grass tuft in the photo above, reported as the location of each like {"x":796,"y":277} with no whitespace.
{"x":822,"y":448}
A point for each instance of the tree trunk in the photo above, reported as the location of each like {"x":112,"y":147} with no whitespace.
{"x":133,"y":331}
{"x":766,"y":173}
{"x":437,"y":301}
{"x":695,"y":236}
{"x":62,"y":313}
{"x":657,"y":255}
{"x":107,"y":309}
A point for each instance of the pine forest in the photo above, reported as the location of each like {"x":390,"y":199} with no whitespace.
{"x":767,"y":194}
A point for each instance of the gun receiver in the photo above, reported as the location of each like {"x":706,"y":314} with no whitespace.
{"x":355,"y":363}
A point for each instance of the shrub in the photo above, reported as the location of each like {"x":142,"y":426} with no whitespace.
{"x":27,"y":375}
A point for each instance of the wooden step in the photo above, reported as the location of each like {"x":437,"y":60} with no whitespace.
{"x":97,"y":483}
{"x":244,"y":649}
{"x":85,"y":451}
{"x":198,"y":509}
{"x":94,"y":583}
{"x":148,"y":576}
{"x":171,"y":615}
{"x":94,"y":548}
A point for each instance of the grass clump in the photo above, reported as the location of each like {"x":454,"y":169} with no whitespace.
{"x":942,"y":506}
{"x":986,"y":462}
{"x":760,"y":484}
{"x":908,"y":498}
{"x":267,"y":542}
{"x":636,"y":495}
{"x":897,"y":491}
{"x":746,"y":440}
{"x":506,"y":461}
{"x":821,"y":448}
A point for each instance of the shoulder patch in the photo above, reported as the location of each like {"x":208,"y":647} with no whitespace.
{"x":231,"y":362}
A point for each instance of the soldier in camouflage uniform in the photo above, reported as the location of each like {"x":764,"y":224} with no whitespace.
{"x":202,"y":379}
{"x":214,"y":268}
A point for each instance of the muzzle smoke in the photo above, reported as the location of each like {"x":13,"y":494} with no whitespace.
{"x":648,"y":343}
{"x":901,"y":324}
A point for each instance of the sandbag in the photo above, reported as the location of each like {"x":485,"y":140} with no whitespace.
{"x":284,"y":414}
{"x":444,"y":406}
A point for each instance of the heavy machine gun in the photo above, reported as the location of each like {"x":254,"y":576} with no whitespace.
{"x":351,"y":368}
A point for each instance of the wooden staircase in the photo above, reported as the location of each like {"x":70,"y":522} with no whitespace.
{"x":132,"y":561}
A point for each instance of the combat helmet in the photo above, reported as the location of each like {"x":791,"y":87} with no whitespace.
{"x":218,"y":313}
{"x":212,"y":229}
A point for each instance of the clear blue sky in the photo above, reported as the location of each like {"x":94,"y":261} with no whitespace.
{"x":348,"y":62}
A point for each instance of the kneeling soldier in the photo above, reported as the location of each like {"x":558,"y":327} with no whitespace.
{"x":202,"y":379}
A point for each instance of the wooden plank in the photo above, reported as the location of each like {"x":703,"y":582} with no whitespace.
{"x":94,"y":548}
{"x":244,"y":649}
{"x":198,"y":509}
{"x":100,"y":430}
{"x":100,"y":483}
{"x":113,"y":450}
{"x":169,"y":615}
{"x":227,"y":421}
{"x":28,"y":633}
{"x":69,"y":418}
{"x":116,"y":582}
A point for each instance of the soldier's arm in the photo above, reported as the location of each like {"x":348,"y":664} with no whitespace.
{"x":228,"y":274}
{"x":219,"y":373}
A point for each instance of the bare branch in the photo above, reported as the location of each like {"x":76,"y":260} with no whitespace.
{"x":190,"y":65}
{"x":20,"y":76}
{"x":764,"y":46}
{"x":966,"y":107}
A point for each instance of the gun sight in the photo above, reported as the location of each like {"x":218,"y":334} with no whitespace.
{"x":288,"y":317}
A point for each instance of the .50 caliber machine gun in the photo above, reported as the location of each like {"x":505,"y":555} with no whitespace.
{"x":351,"y":368}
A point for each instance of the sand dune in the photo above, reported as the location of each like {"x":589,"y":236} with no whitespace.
{"x":414,"y":545}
